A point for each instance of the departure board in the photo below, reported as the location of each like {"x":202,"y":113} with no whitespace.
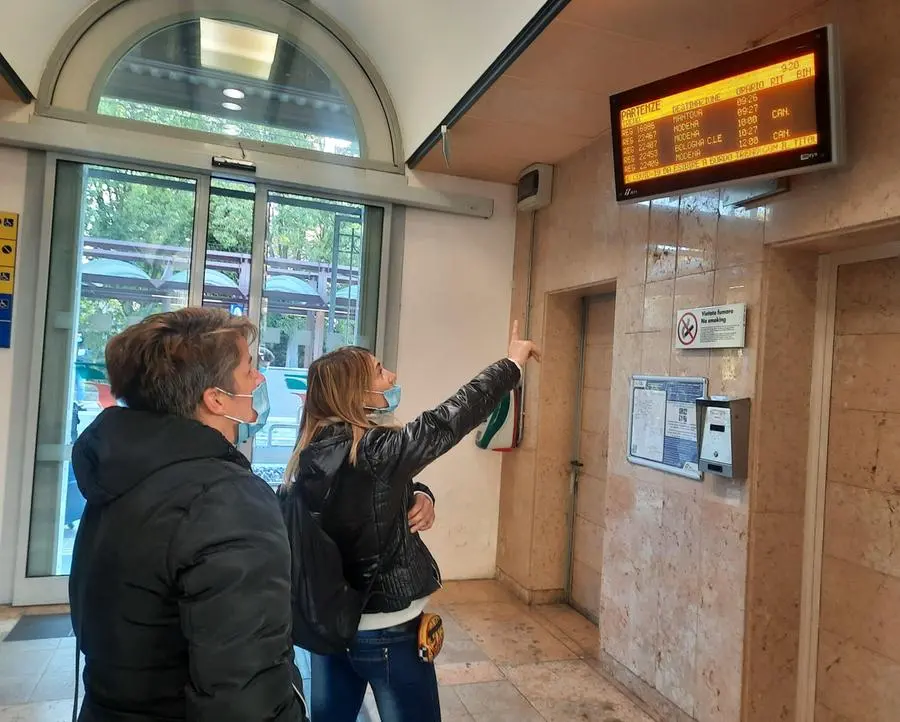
{"x":766,"y":112}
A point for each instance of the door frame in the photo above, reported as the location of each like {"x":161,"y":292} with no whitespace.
{"x":575,"y":464}
{"x":33,"y":591}
{"x":817,"y":464}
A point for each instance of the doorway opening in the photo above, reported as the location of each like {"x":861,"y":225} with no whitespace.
{"x":587,"y":491}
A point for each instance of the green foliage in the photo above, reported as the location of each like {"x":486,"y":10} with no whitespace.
{"x":233,"y":126}
{"x":153,"y":210}
{"x":307,"y":234}
{"x":230,"y":219}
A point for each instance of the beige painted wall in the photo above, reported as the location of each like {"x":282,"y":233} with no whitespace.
{"x":454,"y":301}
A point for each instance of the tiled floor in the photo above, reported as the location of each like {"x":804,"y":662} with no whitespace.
{"x":502,"y":662}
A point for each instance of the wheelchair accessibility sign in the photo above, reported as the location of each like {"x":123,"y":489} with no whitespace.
{"x":7,"y":281}
{"x":9,"y":226}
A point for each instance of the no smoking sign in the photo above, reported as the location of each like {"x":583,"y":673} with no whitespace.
{"x":687,"y":328}
{"x":711,"y":327}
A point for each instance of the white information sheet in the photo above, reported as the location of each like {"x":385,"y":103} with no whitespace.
{"x":647,"y":424}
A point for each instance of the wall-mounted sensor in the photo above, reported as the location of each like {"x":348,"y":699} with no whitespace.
{"x":535,"y":188}
{"x":247,"y":166}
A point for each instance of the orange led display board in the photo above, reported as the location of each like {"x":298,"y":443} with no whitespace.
{"x":768,"y":112}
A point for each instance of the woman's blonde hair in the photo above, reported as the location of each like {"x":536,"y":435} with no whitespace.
{"x":337,"y":386}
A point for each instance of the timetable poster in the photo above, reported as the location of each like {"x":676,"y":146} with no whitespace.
{"x":662,"y":431}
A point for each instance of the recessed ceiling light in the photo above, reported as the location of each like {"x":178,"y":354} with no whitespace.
{"x":231,"y":106}
{"x":234,"y":48}
{"x":233,"y":93}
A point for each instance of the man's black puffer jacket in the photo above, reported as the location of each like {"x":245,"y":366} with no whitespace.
{"x":180,"y":585}
{"x":364,"y":507}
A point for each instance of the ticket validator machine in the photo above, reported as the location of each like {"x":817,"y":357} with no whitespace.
{"x":724,"y":437}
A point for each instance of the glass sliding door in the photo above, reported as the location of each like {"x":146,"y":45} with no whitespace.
{"x":229,"y":246}
{"x":321,"y":265}
{"x":120,"y":251}
{"x":127,"y":243}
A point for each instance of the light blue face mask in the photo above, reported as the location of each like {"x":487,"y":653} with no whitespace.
{"x":392,"y":396}
{"x":246,"y":430}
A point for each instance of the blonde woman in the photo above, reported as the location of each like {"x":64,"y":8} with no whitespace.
{"x":357,"y":476}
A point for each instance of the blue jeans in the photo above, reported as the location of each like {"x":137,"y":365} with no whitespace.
{"x":405,"y":688}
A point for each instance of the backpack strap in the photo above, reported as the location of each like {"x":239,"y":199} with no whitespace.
{"x":329,"y":500}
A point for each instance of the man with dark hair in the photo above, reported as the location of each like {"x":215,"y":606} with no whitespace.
{"x":180,"y":585}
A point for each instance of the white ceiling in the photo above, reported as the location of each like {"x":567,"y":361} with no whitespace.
{"x":36,"y":27}
{"x":430,"y":52}
{"x":554,"y":99}
{"x":428,"y":55}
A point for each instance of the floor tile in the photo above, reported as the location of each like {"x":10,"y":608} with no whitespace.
{"x":42,"y":712}
{"x":63,"y":660}
{"x":29,"y":645}
{"x":468,"y":673}
{"x":565,"y":691}
{"x":17,"y":690}
{"x":496,"y":702}
{"x":509,"y":634}
{"x":575,"y":628}
{"x":459,"y":647}
{"x":22,"y":662}
{"x":502,"y":662}
{"x":452,"y":708}
{"x":54,"y":685}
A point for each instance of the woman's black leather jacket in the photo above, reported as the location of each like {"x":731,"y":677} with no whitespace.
{"x":364,"y":507}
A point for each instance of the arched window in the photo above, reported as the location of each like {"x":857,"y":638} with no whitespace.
{"x":232,"y":79}
{"x":276,"y":78}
